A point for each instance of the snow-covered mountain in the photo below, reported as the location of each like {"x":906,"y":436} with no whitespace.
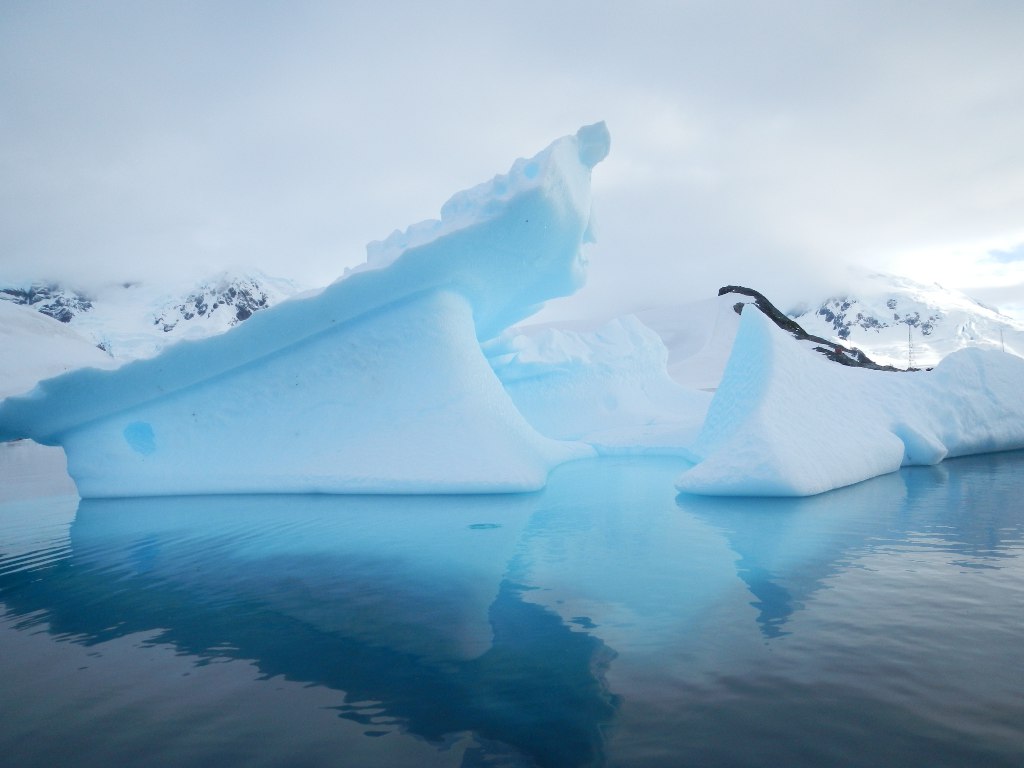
{"x":60,"y":303}
{"x":873,"y":319}
{"x":896,"y":320}
{"x":224,"y":301}
{"x":136,"y":320}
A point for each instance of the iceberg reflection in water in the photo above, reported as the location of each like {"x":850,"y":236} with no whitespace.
{"x":602,"y":621}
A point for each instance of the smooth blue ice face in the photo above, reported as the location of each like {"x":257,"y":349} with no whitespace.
{"x":375,"y":385}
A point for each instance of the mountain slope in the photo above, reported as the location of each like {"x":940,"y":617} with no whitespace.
{"x":34,"y":346}
{"x":898,"y":321}
{"x":136,"y":320}
{"x":133,"y":320}
{"x":49,"y":299}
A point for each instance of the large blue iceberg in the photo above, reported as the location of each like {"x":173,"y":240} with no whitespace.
{"x":376,"y":384}
{"x":407,"y":376}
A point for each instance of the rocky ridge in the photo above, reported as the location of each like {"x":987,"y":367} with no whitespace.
{"x":903,"y":322}
{"x":50,"y":299}
{"x":839,"y":353}
{"x":236,"y":300}
{"x":134,"y":320}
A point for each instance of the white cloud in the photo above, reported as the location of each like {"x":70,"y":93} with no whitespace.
{"x":754,"y":144}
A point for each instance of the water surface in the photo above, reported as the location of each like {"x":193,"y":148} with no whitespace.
{"x":603,"y":621}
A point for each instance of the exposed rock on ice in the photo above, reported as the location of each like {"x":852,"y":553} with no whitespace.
{"x":833,"y":350}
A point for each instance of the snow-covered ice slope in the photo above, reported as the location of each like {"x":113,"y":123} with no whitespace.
{"x":698,"y":337}
{"x":376,"y":384}
{"x":608,"y":387}
{"x":788,"y":422}
{"x":34,"y":346}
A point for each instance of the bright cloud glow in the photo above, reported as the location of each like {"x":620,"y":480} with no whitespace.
{"x":990,"y":270}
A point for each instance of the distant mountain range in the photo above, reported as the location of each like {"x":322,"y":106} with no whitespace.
{"x":132,"y":320}
{"x":891,"y":320}
{"x":50,"y":299}
{"x":897,"y":321}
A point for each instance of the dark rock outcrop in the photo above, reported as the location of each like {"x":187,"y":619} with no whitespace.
{"x":835,"y":311}
{"x":241,"y":298}
{"x":838,"y":353}
{"x":49,"y":299}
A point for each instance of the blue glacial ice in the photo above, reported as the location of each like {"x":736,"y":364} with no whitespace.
{"x":607,"y":387}
{"x":407,"y":376}
{"x":376,"y":384}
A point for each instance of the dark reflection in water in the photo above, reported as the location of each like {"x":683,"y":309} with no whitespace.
{"x":788,"y":548}
{"x":401,"y":604}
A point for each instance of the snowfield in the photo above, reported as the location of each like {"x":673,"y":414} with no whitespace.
{"x":409,"y":375}
{"x":896,"y":320}
{"x":608,"y":388}
{"x":133,"y":320}
{"x":35,"y":347}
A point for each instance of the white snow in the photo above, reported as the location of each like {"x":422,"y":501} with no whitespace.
{"x":944,"y":321}
{"x":35,"y":347}
{"x":608,"y":387}
{"x":698,"y":337}
{"x":788,"y":422}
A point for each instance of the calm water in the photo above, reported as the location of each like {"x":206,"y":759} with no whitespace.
{"x":605,"y":621}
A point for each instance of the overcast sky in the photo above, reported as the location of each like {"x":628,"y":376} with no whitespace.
{"x":763,"y":143}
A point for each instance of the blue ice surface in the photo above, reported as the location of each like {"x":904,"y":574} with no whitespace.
{"x":139,"y":436}
{"x":376,"y":384}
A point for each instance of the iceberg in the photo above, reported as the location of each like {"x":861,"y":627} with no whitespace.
{"x":786,"y":421}
{"x":410,"y":375}
{"x":608,"y":387}
{"x":377,"y":384}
